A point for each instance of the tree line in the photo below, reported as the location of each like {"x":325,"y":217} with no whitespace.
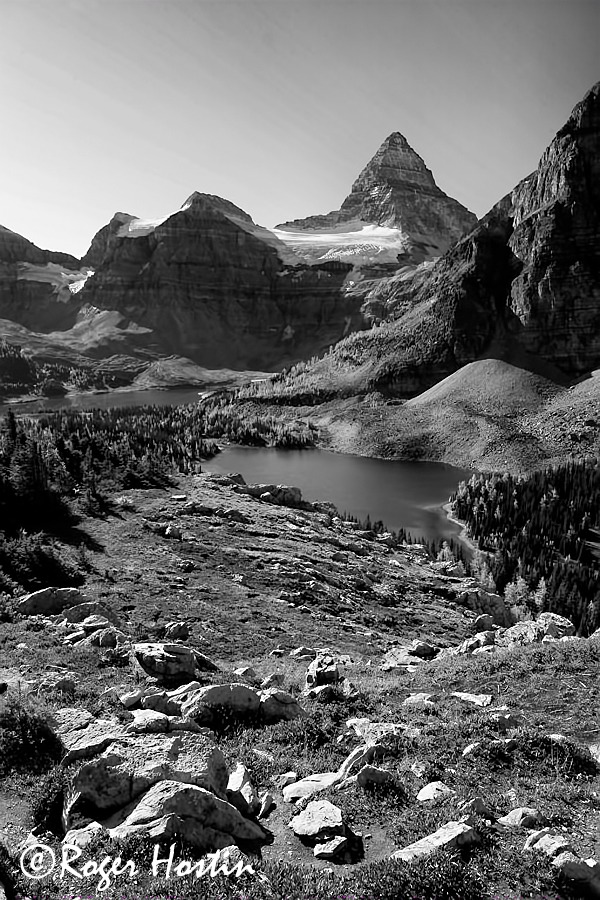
{"x":538,"y":537}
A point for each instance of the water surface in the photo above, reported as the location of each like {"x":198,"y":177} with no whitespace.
{"x":405,"y":495}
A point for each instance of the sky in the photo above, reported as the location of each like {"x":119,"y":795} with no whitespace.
{"x":276,"y":105}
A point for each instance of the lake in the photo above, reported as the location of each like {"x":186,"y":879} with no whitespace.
{"x":402,"y":494}
{"x":405,"y":495}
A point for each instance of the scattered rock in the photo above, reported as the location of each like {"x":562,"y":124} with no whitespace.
{"x":241,"y":792}
{"x":483,"y":622}
{"x":453,"y":834}
{"x":323,"y":670}
{"x":543,"y":842}
{"x":320,"y":821}
{"x":332,"y":848}
{"x":309,"y":786}
{"x":278,"y":706}
{"x":48,"y":601}
{"x":170,"y":809}
{"x":435,"y":790}
{"x":170,"y":662}
{"x":130,"y":766}
{"x":476,"y":699}
{"x":248,"y":673}
{"x":177,"y":631}
{"x":523,"y":817}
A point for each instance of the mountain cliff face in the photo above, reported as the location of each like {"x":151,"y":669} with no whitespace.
{"x":212,"y":286}
{"x":528,"y":273}
{"x":556,"y":237}
{"x":396,"y":190}
{"x":36,"y":285}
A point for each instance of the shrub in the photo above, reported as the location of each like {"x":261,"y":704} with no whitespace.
{"x":27,"y":742}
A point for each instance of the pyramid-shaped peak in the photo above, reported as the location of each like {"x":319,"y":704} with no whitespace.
{"x":395,"y":139}
{"x":395,"y":163}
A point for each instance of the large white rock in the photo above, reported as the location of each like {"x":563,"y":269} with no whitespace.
{"x":320,"y":820}
{"x":475,"y":699}
{"x":310,"y":785}
{"x":130,"y":766}
{"x":238,"y":698}
{"x":170,"y":809}
{"x":48,"y":601}
{"x":435,"y":790}
{"x":82,"y":734}
{"x":546,"y":625}
{"x":169,"y":662}
{"x":523,"y":817}
{"x":241,"y":792}
{"x":453,"y":834}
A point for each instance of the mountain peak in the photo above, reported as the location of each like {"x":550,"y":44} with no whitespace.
{"x":397,"y":190}
{"x":395,"y":163}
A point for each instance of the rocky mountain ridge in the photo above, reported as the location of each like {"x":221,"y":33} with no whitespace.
{"x":208,"y":284}
{"x":528,"y":274}
{"x":397,"y":190}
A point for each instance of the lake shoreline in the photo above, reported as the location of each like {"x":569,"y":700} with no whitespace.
{"x":463,"y":536}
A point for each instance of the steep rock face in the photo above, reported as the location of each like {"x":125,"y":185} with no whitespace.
{"x":104,"y":240}
{"x":556,"y":218}
{"x":397,"y":190}
{"x":34,"y":283}
{"x":213,"y":286}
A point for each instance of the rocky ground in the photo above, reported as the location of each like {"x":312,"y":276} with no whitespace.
{"x":243,"y":668}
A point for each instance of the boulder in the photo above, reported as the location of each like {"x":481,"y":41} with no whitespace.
{"x":332,"y":848}
{"x":48,"y":601}
{"x":483,"y":622}
{"x":421,"y":701}
{"x":319,"y":821}
{"x":279,"y":706}
{"x":435,"y":790}
{"x":285,"y":779}
{"x":170,"y":810}
{"x":309,"y":786}
{"x":130,"y":766}
{"x":523,"y":817}
{"x":422,"y":649}
{"x":82,"y":837}
{"x":82,"y":734}
{"x":480,"y":641}
{"x":81,"y":611}
{"x":247,"y":673}
{"x":241,"y":792}
{"x":398,"y":658}
{"x":109,"y":637}
{"x":323,"y":670}
{"x":546,"y":625}
{"x":303,"y":653}
{"x":169,"y":662}
{"x":177,"y":631}
{"x":543,"y":841}
{"x":475,"y":699}
{"x":238,"y":698}
{"x":267,"y":802}
{"x":583,"y":875}
{"x":379,"y":732}
{"x":453,"y":834}
{"x":161,"y":702}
